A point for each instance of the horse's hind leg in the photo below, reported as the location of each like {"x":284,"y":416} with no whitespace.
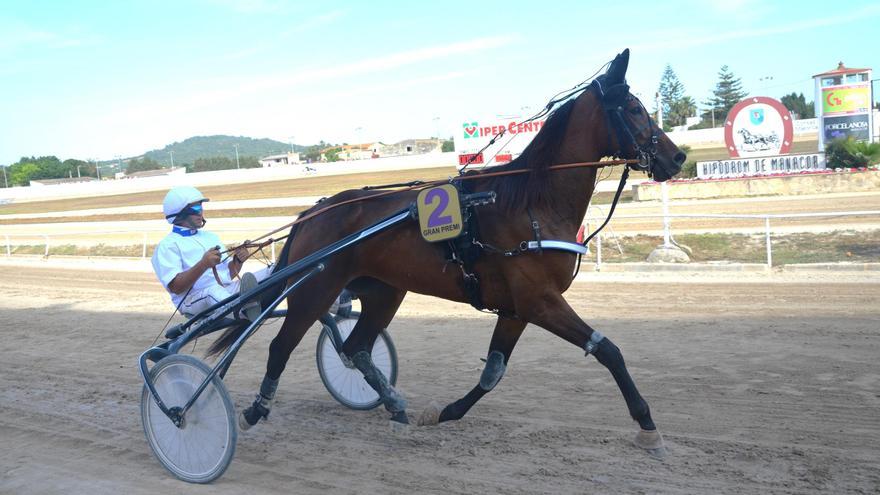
{"x":379,"y":303}
{"x":304,"y":308}
{"x":505,"y":337}
{"x":559,"y":318}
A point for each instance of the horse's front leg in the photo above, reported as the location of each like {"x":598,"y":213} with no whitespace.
{"x":555,"y":315}
{"x":504,"y":339}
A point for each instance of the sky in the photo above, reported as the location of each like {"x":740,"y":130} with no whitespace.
{"x":100,"y":79}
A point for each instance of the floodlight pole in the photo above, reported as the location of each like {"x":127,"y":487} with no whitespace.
{"x":5,"y":181}
{"x":172,"y":158}
{"x":236,"y":155}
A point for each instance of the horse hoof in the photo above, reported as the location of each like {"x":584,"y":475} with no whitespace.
{"x":243,"y":424}
{"x":398,"y":428}
{"x":651,"y":442}
{"x":431,"y":415}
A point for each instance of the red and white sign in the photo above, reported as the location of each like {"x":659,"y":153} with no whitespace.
{"x":758,"y":126}
{"x":475,"y":134}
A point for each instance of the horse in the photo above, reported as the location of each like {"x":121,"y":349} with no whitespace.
{"x":603,"y":120}
{"x":758,"y":141}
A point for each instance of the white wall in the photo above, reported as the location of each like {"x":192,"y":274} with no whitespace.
{"x":225,"y":177}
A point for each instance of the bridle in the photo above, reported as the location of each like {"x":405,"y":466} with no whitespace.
{"x":614,"y":98}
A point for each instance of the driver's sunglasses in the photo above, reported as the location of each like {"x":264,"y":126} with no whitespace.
{"x":196,"y":208}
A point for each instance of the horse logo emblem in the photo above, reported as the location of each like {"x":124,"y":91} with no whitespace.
{"x":757,"y":116}
{"x":470,"y":129}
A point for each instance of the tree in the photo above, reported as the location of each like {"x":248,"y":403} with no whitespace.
{"x":30,"y":168}
{"x":332,"y":155}
{"x":676,"y":106}
{"x":798,"y":106}
{"x":728,"y":92}
{"x":448,"y":145}
{"x":20,"y":174}
{"x":135,"y":165}
{"x":80,"y":168}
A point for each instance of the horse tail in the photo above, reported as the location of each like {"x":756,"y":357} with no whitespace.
{"x":234,"y":332}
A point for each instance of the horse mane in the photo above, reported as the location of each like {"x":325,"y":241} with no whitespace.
{"x":516,"y":192}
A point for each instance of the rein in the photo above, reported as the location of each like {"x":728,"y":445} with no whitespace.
{"x":416,"y":185}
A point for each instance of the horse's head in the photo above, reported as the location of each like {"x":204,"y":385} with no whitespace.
{"x":635,"y":134}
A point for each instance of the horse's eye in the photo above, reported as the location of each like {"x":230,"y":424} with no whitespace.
{"x":635,"y":110}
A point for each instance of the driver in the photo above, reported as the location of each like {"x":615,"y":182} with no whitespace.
{"x":184,"y":258}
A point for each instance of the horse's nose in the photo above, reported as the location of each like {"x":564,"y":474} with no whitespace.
{"x":679,"y":157}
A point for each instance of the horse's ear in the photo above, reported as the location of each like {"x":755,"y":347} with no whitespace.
{"x":617,"y":70}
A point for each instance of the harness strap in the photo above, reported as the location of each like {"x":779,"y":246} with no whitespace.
{"x":620,"y":187}
{"x":425,"y":185}
{"x":536,"y":228}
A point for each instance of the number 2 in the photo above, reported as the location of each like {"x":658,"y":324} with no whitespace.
{"x":435,"y":220}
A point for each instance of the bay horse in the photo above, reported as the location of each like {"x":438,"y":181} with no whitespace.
{"x":604,"y":120}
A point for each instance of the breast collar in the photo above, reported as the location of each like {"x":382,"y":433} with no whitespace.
{"x":184,"y":231}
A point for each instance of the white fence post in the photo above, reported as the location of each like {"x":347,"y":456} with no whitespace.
{"x":47,"y":245}
{"x":767,"y":240}
{"x":8,"y":247}
{"x":666,"y":234}
{"x":598,"y":252}
{"x":144,"y":252}
{"x":586,"y":234}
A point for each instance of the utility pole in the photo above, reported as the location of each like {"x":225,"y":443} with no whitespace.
{"x":236,"y":155}
{"x":97,"y":169}
{"x":659,"y":110}
{"x":172,"y":158}
{"x":5,"y":181}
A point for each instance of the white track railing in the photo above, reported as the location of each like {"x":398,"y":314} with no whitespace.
{"x":765,"y":217}
{"x":143,"y":235}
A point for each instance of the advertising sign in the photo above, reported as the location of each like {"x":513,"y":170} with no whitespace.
{"x":857,"y":127}
{"x":475,"y":134}
{"x":846,"y":99}
{"x":758,"y":126}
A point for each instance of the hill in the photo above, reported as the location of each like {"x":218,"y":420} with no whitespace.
{"x":187,"y":151}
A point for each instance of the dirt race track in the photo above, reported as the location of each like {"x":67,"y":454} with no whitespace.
{"x":758,"y":387}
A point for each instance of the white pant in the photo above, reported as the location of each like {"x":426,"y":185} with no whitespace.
{"x":197,"y":301}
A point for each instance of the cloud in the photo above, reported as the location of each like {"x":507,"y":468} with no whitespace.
{"x":667,"y":41}
{"x":249,"y":6}
{"x":311,"y":23}
{"x":17,"y":36}
{"x":234,"y":89}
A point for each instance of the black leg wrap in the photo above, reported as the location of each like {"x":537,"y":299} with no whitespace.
{"x":609,"y":356}
{"x":459,"y":408}
{"x":391,"y":399}
{"x":259,"y":409}
{"x":493,"y":371}
{"x":268,"y":388}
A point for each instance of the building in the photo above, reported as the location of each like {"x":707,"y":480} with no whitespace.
{"x":289,"y":158}
{"x":152,"y":173}
{"x":412,"y":147}
{"x":58,"y":182}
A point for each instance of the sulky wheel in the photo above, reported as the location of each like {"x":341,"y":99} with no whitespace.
{"x":345,"y":382}
{"x":200,"y":450}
